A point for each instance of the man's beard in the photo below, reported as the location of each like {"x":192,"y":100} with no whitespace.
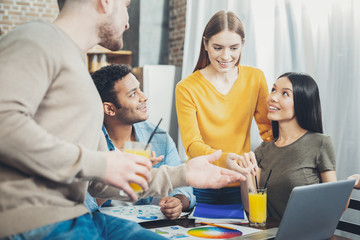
{"x":108,"y":38}
{"x":130,"y":118}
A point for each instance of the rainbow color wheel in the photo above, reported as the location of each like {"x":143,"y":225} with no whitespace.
{"x":214,"y":232}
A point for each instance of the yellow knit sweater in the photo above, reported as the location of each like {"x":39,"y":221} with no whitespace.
{"x":209,"y":120}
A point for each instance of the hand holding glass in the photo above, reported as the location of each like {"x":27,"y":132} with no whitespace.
{"x":139,"y":149}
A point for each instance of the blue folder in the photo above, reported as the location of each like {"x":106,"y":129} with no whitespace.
{"x":203,"y":210}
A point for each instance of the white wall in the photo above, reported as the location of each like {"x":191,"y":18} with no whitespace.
{"x":159,"y":83}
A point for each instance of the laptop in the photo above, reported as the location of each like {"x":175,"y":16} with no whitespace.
{"x":313,"y":212}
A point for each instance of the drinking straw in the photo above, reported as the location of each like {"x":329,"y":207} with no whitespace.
{"x":256,"y":181}
{"x":152,"y":134}
{"x":257,"y":186}
{"x":267,"y":180}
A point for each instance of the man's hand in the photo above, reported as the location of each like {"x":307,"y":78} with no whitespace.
{"x":155,"y":160}
{"x":171,"y":207}
{"x":243,"y":164}
{"x":200,"y":173}
{"x":357,"y":180}
{"x":125,"y":168}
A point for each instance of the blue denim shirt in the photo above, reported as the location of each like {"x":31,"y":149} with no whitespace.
{"x":162,"y":144}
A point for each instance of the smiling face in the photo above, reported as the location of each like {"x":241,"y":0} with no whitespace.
{"x":280,"y":101}
{"x":133,"y":102}
{"x":224,"y":50}
{"x":115,"y":24}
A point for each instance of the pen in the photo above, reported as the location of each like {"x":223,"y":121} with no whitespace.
{"x":215,"y":225}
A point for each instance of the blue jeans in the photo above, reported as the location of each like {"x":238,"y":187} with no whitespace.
{"x":97,"y":226}
{"x":230,"y":195}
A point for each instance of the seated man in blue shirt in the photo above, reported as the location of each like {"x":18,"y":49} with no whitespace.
{"x":125,"y":115}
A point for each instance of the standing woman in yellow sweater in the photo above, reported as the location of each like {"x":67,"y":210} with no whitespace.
{"x":217,"y":102}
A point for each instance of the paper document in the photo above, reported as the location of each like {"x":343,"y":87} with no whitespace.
{"x":138,"y":213}
{"x":203,"y":232}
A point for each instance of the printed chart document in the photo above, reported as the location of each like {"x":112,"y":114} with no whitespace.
{"x":138,"y":213}
{"x":204,"y":232}
{"x":145,"y":213}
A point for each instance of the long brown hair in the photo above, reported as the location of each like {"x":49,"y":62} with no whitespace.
{"x":219,"y":22}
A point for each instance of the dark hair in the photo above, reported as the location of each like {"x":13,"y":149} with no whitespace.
{"x":60,"y":4}
{"x":219,"y":22}
{"x":105,"y":79}
{"x":307,"y":105}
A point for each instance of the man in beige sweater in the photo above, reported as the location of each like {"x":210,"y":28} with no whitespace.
{"x":51,"y":140}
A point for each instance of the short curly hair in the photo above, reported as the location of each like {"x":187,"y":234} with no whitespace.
{"x":105,"y":79}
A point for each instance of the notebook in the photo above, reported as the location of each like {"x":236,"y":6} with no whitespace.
{"x":313,"y":212}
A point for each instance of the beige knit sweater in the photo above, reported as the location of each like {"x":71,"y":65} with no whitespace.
{"x":50,"y":130}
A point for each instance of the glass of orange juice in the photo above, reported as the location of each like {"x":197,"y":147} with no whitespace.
{"x":139,"y":149}
{"x":257,"y":207}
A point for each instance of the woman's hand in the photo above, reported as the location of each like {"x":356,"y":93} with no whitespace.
{"x":243,"y":164}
